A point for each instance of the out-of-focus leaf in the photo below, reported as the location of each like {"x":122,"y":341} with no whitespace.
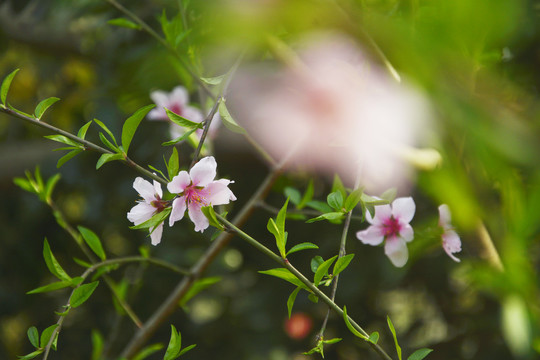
{"x":419,"y":354}
{"x":228,"y":120}
{"x":97,"y":345}
{"x":6,"y":83}
{"x":131,"y":125}
{"x":291,"y":299}
{"x":286,"y":275}
{"x":123,"y":22}
{"x":391,"y":327}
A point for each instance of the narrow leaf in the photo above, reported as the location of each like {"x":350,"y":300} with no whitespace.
{"x":308,"y":195}
{"x":82,"y":293}
{"x":105,"y":158}
{"x":70,"y":155}
{"x":198,"y":286}
{"x":93,"y":241}
{"x":107,"y":143}
{"x":302,"y":246}
{"x":131,"y":125}
{"x":342,"y":263}
{"x":228,"y":120}
{"x":291,"y":299}
{"x":280,"y":219}
{"x":175,"y":345}
{"x":391,"y":326}
{"x":350,"y":327}
{"x":82,"y":131}
{"x":322,"y":270}
{"x":337,"y":185}
{"x":319,"y":206}
{"x":286,"y":275}
{"x":31,"y":355}
{"x":52,"y":264}
{"x":122,"y":22}
{"x":154,"y":220}
{"x":104,"y":127}
{"x":97,"y":345}
{"x":420,"y":354}
{"x":327,"y":216}
{"x":147,"y":351}
{"x":33,"y":336}
{"x":186,"y":349}
{"x":293,"y":194}
{"x":173,"y":165}
{"x":5,"y":86}
{"x":208,"y":211}
{"x":181,"y":138}
{"x":24,"y":184}
{"x":182,"y":121}
{"x":213,"y":80}
{"x":43,"y":106}
{"x":332,"y":341}
{"x":51,"y":287}
{"x":46,"y":335}
{"x":49,"y":187}
{"x":64,"y":140}
{"x":353,"y":199}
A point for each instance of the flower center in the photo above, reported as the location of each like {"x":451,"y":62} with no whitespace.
{"x":177,"y":109}
{"x":159,"y":204}
{"x":391,"y":227}
{"x":195,"y":194}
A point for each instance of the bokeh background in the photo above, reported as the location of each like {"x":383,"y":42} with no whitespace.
{"x":477,"y":62}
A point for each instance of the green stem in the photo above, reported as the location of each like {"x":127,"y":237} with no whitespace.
{"x":302,"y":278}
{"x":207,"y":123}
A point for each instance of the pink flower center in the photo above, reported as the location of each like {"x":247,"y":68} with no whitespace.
{"x":195,"y":194}
{"x":391,"y":227}
{"x":176,"y":108}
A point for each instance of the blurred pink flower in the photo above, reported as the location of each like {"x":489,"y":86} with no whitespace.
{"x":177,"y":101}
{"x":150,"y":205}
{"x":391,"y":223}
{"x":333,"y":111}
{"x":451,"y":242}
{"x":197,"y":189}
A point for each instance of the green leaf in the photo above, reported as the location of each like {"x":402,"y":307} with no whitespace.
{"x":293,"y":194}
{"x":302,"y":246}
{"x":158,"y":171}
{"x":228,"y":120}
{"x":33,"y":336}
{"x":353,"y":199}
{"x":342,"y":263}
{"x":107,"y":143}
{"x":97,"y":345}
{"x":389,"y":195}
{"x":350,"y":327}
{"x":335,"y":200}
{"x":391,"y":326}
{"x":154,"y":220}
{"x":198,"y":286}
{"x":46,"y":336}
{"x":286,"y":275}
{"x":43,"y":106}
{"x":24,"y":184}
{"x":182,"y":121}
{"x":5,"y":86}
{"x":186,"y":349}
{"x":63,"y":313}
{"x":52,"y":264}
{"x":102,"y":125}
{"x":147,"y":351}
{"x":93,"y":241}
{"x":319,"y":206}
{"x":322,"y":270}
{"x":82,"y":293}
{"x":82,"y":263}
{"x":272,"y":227}
{"x":31,"y":355}
{"x":291,"y":299}
{"x":216,"y":80}
{"x":181,"y":138}
{"x":105,"y":158}
{"x":208,"y":211}
{"x":175,"y":344}
{"x":308,"y":195}
{"x":173,"y":165}
{"x":280,"y":219}
{"x":125,"y":23}
{"x":64,"y":140}
{"x":420,"y":354}
{"x":51,"y":287}
{"x":337,"y":185}
{"x":131,"y":125}
{"x":49,"y":187}
{"x":332,"y":341}
{"x":315,"y":263}
{"x":327,"y":216}
{"x":374,"y":337}
{"x":82,"y":131}
{"x":70,"y":155}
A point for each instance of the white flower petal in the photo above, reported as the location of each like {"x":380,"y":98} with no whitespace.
{"x":157,"y":114}
{"x":160,"y":98}
{"x":403,"y":209}
{"x":451,"y":243}
{"x":157,"y":188}
{"x":226,"y":182}
{"x":445,"y":218}
{"x":145,"y":189}
{"x":203,"y":172}
{"x":406,"y":232}
{"x":155,"y":235}
{"x":382,"y":214}
{"x":178,"y":210}
{"x":371,"y":236}
{"x":216,"y":193}
{"x":193,"y":114}
{"x":140,"y":213}
{"x":179,"y":183}
{"x":396,"y":250}
{"x":198,"y":218}
{"x":179,"y":96}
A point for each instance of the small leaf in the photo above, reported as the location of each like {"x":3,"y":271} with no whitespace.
{"x":46,"y":336}
{"x":125,"y":23}
{"x":131,"y":125}
{"x":173,"y":165}
{"x":315,"y":263}
{"x":280,"y":219}
{"x":322,"y":270}
{"x":31,"y":355}
{"x":52,"y":264}
{"x":107,"y":143}
{"x":374,"y":337}
{"x":353,"y":199}
{"x":293,"y":194}
{"x":82,"y":293}
{"x":93,"y":241}
{"x":313,"y":298}
{"x":97,"y":345}
{"x":154,"y":220}
{"x":337,"y":185}
{"x":286,"y":275}
{"x":182,"y":121}
{"x":70,"y":155}
{"x":319,"y":206}
{"x":198,"y":286}
{"x":389,"y":195}
{"x":82,"y":131}
{"x":308,"y":195}
{"x":49,"y":187}
{"x":216,"y":80}
{"x":158,"y":171}
{"x":175,"y":344}
{"x":5,"y":86}
{"x":186,"y":349}
{"x":181,"y":138}
{"x":291,"y":299}
{"x":64,"y":140}
{"x":350,"y":327}
{"x":302,"y":246}
{"x":342,"y":263}
{"x":105,"y":158}
{"x":228,"y":120}
{"x":147,"y":351}
{"x":420,"y":354}
{"x":208,"y":211}
{"x":33,"y":336}
{"x":391,"y":326}
{"x":104,"y":127}
{"x":51,"y":287}
{"x":327,"y":216}
{"x":82,"y":263}
{"x":43,"y":106}
{"x":332,"y":341}
{"x":24,"y":184}
{"x":335,"y":200}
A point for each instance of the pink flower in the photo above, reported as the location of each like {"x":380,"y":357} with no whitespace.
{"x":177,"y":101}
{"x":450,"y":239}
{"x":150,"y":205}
{"x":198,"y":189}
{"x":391,"y":223}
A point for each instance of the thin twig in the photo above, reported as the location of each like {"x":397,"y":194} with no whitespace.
{"x":207,"y":124}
